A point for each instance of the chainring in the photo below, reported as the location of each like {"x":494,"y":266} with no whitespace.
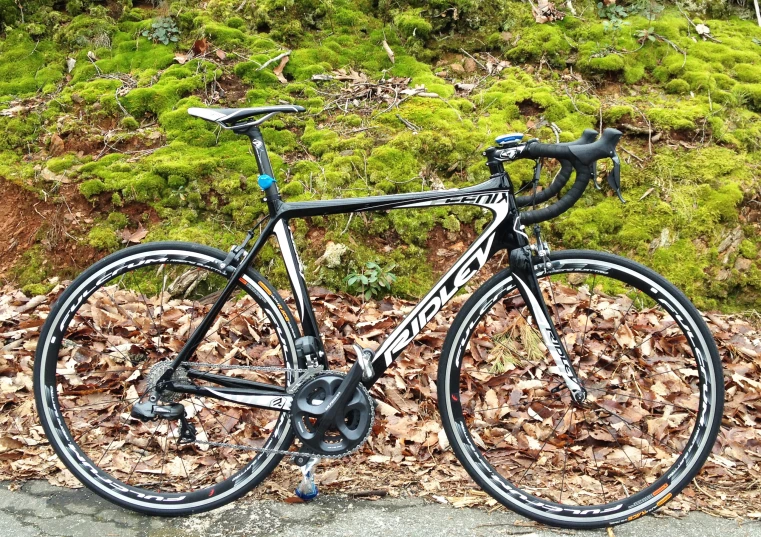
{"x":351,"y":425}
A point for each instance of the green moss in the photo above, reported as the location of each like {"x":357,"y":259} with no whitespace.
{"x":748,"y":249}
{"x":61,"y":164}
{"x":32,"y":268}
{"x":34,"y":289}
{"x":87,"y":31}
{"x":27,"y":67}
{"x":92,"y":188}
{"x":538,"y":41}
{"x":412,"y":25}
{"x":609,"y":63}
{"x":103,"y":237}
{"x":616,"y":113}
{"x":118,"y":220}
{"x":129,"y":123}
{"x":678,"y":87}
{"x":747,"y":73}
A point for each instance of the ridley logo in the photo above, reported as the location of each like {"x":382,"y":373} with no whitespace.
{"x":428,"y":309}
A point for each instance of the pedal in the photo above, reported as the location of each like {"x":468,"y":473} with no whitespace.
{"x":307,"y":488}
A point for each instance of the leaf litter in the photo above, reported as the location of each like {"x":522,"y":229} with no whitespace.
{"x":408,"y":452}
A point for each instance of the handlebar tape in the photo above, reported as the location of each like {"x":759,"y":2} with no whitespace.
{"x":582,"y":157}
{"x":587,"y":137}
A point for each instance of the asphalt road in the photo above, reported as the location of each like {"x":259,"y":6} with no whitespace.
{"x":38,"y":509}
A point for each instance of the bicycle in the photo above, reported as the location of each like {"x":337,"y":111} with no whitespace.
{"x":577,"y":388}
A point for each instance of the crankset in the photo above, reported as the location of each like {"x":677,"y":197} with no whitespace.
{"x":347,"y":426}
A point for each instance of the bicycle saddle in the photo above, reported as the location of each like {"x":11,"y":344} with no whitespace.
{"x":230,"y":117}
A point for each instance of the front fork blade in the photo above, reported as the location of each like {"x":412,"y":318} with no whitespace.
{"x":528,"y":286}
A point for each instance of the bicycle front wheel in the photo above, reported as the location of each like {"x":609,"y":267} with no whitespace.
{"x":108,"y":339}
{"x":654,"y":392}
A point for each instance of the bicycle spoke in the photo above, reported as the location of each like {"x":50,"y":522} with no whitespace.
{"x":525,"y":403}
{"x":148,"y":309}
{"x":552,"y":432}
{"x":142,"y":451}
{"x":190,"y":481}
{"x":631,"y":425}
{"x":208,"y":439}
{"x":597,"y":466}
{"x":641,"y":399}
{"x":586,"y":319}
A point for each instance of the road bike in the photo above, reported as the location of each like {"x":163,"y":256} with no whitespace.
{"x":577,"y":388}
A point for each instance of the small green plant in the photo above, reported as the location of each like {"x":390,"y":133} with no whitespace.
{"x":372,"y":280}
{"x":614,"y":13}
{"x":646,"y":35}
{"x":163,"y":30}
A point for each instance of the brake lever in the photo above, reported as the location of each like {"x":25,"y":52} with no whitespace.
{"x":598,"y":186}
{"x":614,"y":177}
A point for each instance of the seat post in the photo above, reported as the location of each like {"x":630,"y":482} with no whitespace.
{"x":260,"y":151}
{"x":265,"y":168}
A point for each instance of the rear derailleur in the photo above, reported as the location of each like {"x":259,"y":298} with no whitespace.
{"x":149,"y":411}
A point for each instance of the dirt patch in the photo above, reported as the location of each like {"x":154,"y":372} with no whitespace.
{"x":234,"y":91}
{"x":58,"y":226}
{"x":20,"y":220}
{"x":530,"y":108}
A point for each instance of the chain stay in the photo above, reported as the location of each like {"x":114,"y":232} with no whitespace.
{"x":310,"y":373}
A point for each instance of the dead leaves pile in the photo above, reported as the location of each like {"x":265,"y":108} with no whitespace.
{"x":408,"y":451}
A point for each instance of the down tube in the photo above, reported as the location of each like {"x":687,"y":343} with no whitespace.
{"x":454,"y":279}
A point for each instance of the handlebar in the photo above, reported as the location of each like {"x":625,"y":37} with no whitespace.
{"x":582,"y":158}
{"x":587,"y":137}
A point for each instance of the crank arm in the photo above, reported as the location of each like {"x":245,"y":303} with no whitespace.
{"x":250,"y":397}
{"x":528,"y":286}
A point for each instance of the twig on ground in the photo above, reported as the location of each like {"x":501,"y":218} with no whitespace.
{"x":276,"y":58}
{"x":388,"y":50}
{"x":630,"y":153}
{"x":414,"y":128}
{"x":707,"y":36}
{"x":475,"y":60}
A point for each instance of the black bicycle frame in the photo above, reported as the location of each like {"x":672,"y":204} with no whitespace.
{"x":503,"y":232}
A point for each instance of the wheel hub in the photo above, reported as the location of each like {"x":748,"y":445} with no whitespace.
{"x":350,"y":426}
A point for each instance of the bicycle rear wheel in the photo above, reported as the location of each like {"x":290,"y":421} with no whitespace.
{"x":652,"y":375}
{"x":106,"y":341}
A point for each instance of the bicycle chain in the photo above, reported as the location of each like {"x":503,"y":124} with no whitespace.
{"x":298,"y":383}
{"x":271,"y":368}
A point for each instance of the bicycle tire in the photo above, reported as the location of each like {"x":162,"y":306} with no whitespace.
{"x":75,"y":369}
{"x":491,"y":439}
